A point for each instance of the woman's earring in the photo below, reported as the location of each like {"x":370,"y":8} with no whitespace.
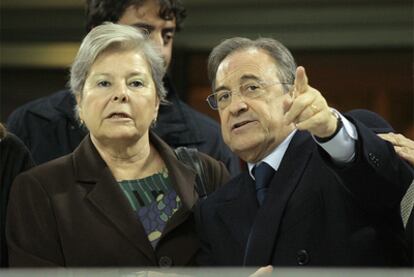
{"x":154,"y":122}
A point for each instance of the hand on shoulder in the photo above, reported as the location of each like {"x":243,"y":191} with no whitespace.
{"x":402,"y":145}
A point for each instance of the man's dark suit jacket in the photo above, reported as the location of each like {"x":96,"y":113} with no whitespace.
{"x":315,"y":213}
{"x":71,"y":212}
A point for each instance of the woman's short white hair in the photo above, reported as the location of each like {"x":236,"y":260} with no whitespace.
{"x":115,"y":37}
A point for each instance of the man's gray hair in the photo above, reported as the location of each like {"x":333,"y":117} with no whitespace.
{"x":283,"y":58}
{"x":115,"y":37}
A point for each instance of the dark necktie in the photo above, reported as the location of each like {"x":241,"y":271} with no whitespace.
{"x":262,"y":174}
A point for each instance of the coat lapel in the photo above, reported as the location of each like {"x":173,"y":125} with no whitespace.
{"x":266,"y":225}
{"x":238,"y":208}
{"x":108,"y":198}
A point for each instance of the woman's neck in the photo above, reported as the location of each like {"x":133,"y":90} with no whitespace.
{"x":130,"y":161}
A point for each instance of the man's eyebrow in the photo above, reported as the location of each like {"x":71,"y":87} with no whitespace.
{"x":250,"y":77}
{"x":244,"y":78}
{"x":144,"y":26}
{"x":169,"y":29}
{"x":221,"y":88}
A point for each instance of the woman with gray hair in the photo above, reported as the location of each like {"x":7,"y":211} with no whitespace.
{"x":122,"y":198}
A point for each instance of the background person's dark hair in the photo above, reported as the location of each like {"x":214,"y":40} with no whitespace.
{"x":99,"y":11}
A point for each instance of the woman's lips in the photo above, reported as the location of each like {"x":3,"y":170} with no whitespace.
{"x":119,"y":115}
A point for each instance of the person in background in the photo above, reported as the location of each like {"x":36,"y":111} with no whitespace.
{"x":49,"y":128}
{"x":402,"y":145}
{"x":122,"y":198}
{"x":405,"y":148}
{"x":15,"y":158}
{"x":322,"y":188}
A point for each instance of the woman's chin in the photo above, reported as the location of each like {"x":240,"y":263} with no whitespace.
{"x":120,"y":137}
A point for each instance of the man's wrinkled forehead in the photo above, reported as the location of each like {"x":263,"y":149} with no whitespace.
{"x":248,"y":62}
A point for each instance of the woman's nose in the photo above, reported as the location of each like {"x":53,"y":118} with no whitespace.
{"x":120,"y":94}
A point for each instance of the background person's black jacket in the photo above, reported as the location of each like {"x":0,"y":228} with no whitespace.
{"x":15,"y":158}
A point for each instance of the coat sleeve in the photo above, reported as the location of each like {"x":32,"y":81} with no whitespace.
{"x":31,"y":229}
{"x":15,"y":125}
{"x":217,"y":175}
{"x":377,"y":177}
{"x":204,"y":256}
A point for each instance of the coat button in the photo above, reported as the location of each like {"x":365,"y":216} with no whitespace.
{"x":165,"y":261}
{"x":374,"y":159}
{"x":302,"y":257}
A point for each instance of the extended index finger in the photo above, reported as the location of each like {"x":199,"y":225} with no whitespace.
{"x":301,"y":81}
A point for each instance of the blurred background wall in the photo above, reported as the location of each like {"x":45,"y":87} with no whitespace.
{"x":358,"y":53}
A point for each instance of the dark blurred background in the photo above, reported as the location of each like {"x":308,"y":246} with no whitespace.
{"x":358,"y":53}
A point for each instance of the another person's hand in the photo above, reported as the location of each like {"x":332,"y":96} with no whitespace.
{"x":263,"y":271}
{"x":308,"y":109}
{"x":402,"y":145}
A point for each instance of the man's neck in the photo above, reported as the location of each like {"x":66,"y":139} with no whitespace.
{"x":275,"y":157}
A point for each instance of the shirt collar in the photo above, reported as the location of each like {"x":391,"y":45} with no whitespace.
{"x":275,"y":157}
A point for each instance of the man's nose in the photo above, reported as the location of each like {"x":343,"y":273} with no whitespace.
{"x":157,"y":39}
{"x":237,"y":104}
